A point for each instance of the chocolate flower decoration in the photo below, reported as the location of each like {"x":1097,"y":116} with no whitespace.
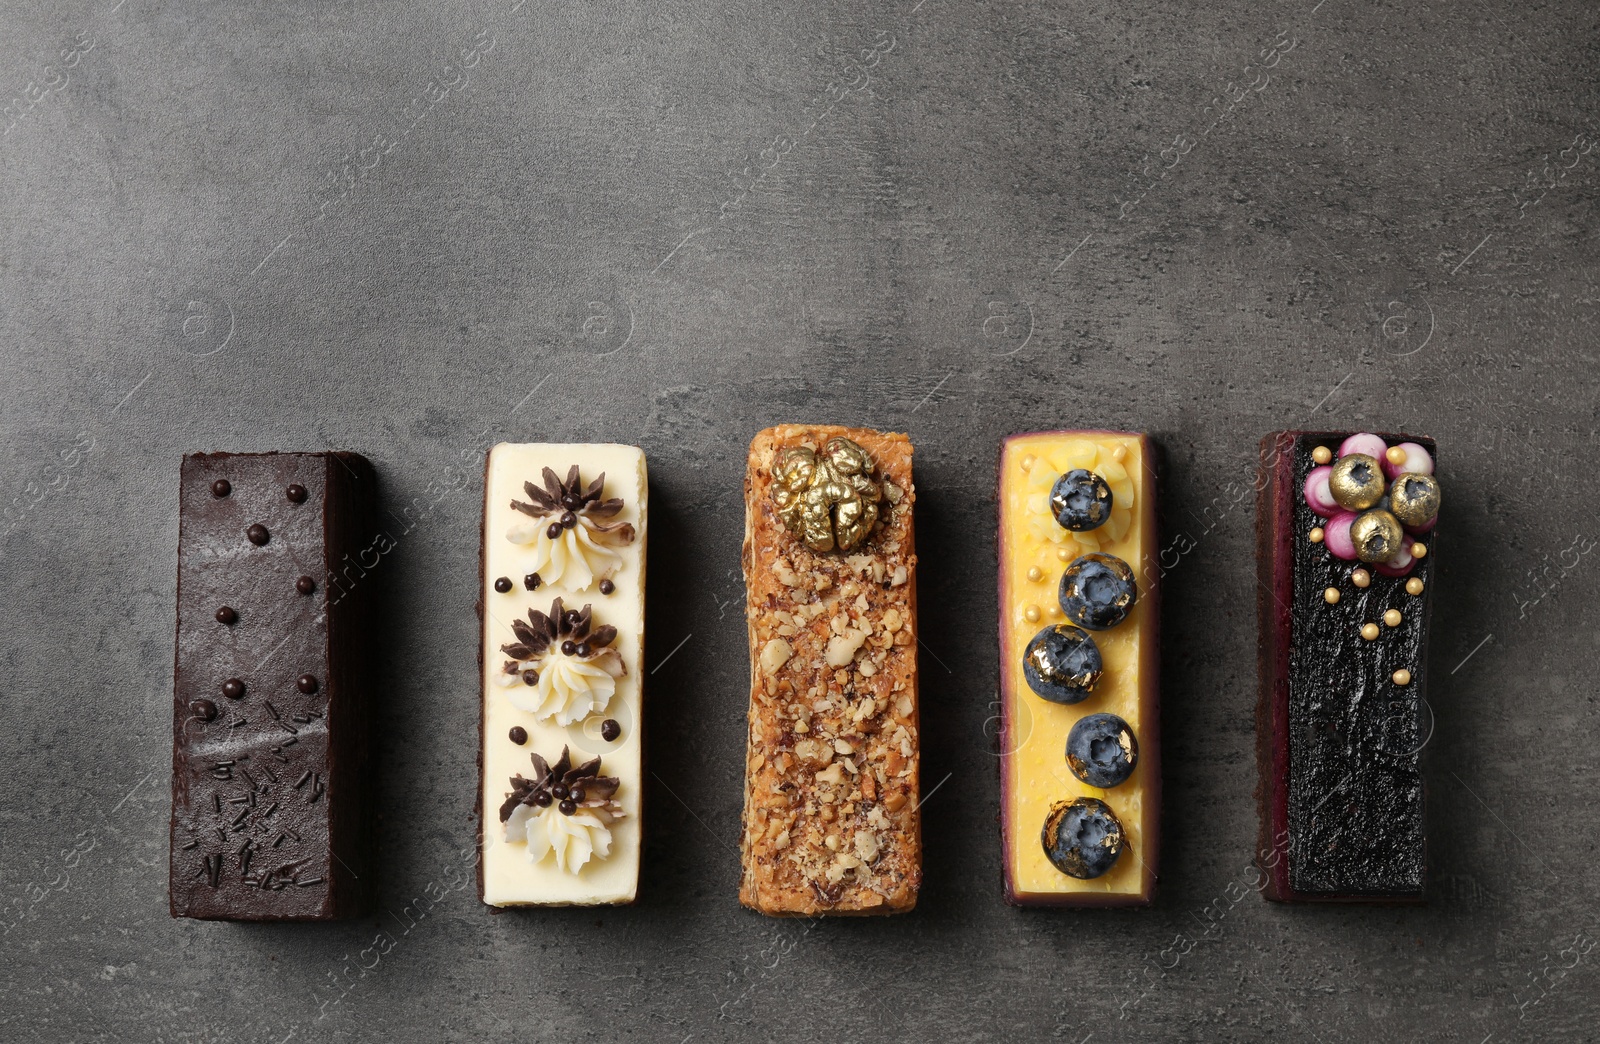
{"x":572,"y":531}
{"x":829,"y":500}
{"x":562,"y":810}
{"x":562,"y":666}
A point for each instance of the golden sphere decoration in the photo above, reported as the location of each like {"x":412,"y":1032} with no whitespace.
{"x":1065,"y":554}
{"x":1395,"y":455}
{"x":1402,"y":677}
{"x":1356,"y":482}
{"x":1361,"y":578}
{"x":1414,"y":499}
{"x":1035,"y":574}
{"x":1419,"y":550}
{"x":1027,"y":462}
{"x":1331,"y":596}
{"x":1369,"y":631}
{"x":1414,"y":586}
{"x":1377,"y":536}
{"x":1315,"y":536}
{"x":1392,"y":618}
{"x":1031,"y":613}
{"x":1322,"y":455}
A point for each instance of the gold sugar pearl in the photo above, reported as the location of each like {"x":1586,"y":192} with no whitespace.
{"x":1035,"y":574}
{"x":1414,"y":586}
{"x":1316,"y":534}
{"x":1392,"y":618}
{"x":1331,"y":596}
{"x":1396,"y":455}
{"x":1369,"y":631}
{"x":1361,"y":578}
{"x":1419,"y":550}
{"x":1120,"y":453}
{"x":1054,"y":609}
{"x":1027,"y":462}
{"x":1031,"y":614}
{"x":1402,"y":677}
{"x":1322,"y":454}
{"x":1064,"y":553}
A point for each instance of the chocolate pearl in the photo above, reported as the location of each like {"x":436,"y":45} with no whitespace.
{"x":569,"y":502}
{"x":554,"y":530}
{"x":569,"y":647}
{"x":221,"y":488}
{"x":559,"y":790}
{"x":233,"y":688}
{"x":503,"y":584}
{"x":542,"y":799}
{"x":226,"y":615}
{"x":306,"y":683}
{"x":610,"y":730}
{"x":531,"y":581}
{"x":568,"y":520}
{"x":305,"y":585}
{"x":530,"y":677}
{"x":296,"y":493}
{"x":572,"y":616}
{"x":205,"y":710}
{"x":568,"y":807}
{"x":583,"y":649}
{"x":258,"y":534}
{"x":606,"y":587}
{"x":519,"y":735}
{"x":576,"y":794}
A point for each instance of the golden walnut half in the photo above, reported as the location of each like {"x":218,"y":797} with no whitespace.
{"x":829,"y":500}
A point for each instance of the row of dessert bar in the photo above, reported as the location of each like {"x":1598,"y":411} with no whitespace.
{"x":273,"y":703}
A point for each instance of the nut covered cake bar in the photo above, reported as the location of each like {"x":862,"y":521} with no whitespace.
{"x":831,"y":780}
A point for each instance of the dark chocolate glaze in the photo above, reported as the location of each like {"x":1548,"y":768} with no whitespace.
{"x":1341,"y":790}
{"x":268,"y":797}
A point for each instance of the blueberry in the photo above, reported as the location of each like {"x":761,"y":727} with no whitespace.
{"x":1102,"y":750}
{"x":1062,"y":663}
{"x":1080,"y":500}
{"x":1082,"y":838}
{"x":1097,"y":591}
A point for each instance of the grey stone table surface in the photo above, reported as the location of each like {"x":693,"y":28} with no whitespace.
{"x":409,"y":229}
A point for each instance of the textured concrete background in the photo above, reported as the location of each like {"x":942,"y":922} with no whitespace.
{"x":297,"y":225}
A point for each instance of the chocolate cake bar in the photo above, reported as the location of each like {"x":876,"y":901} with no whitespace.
{"x":831,"y":777}
{"x":1080,"y":735}
{"x":1345,"y":544}
{"x":270,"y":718}
{"x":561,"y":656}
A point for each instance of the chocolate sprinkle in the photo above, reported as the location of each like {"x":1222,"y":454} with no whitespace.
{"x":258,"y":534}
{"x":305,"y":585}
{"x":503,"y":584}
{"x":226,"y":615}
{"x":532,"y":581}
{"x":296,"y":493}
{"x":553,"y":531}
{"x":306,"y":683}
{"x":568,"y":807}
{"x":519,"y":735}
{"x":221,"y":488}
{"x":233,"y":688}
{"x":606,"y":587}
{"x":610,"y":730}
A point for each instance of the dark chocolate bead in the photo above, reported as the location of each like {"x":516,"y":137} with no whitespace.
{"x":226,"y":615}
{"x":205,"y":710}
{"x":306,"y":683}
{"x":519,"y":735}
{"x":568,"y":520}
{"x":296,"y":493}
{"x":610,"y":730}
{"x":576,"y":794}
{"x":606,"y":587}
{"x":305,"y":585}
{"x":554,"y":530}
{"x":542,"y":799}
{"x":568,"y":807}
{"x":569,"y":647}
{"x":530,"y":677}
{"x":503,"y":584}
{"x":258,"y":534}
{"x":572,"y":616}
{"x":559,"y":790}
{"x":531,"y":581}
{"x":233,"y":688}
{"x":570,"y":502}
{"x":221,"y":488}
{"x":583,"y":650}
